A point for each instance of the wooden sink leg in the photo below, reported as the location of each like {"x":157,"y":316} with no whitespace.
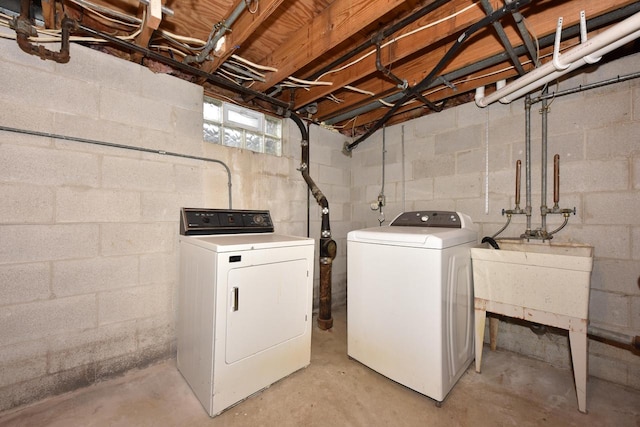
{"x":578,"y":341}
{"x":480,"y":319}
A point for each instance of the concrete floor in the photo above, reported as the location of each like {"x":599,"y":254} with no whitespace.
{"x":336,"y":391}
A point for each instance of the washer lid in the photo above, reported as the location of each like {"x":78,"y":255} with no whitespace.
{"x":245,"y":242}
{"x":418,"y":237}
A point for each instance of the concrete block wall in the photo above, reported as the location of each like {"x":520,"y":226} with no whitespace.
{"x":88,"y":233}
{"x":464,"y":158}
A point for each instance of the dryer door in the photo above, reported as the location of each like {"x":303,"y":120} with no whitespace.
{"x":266,"y":307}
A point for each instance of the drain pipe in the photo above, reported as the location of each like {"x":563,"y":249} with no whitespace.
{"x":328,"y":246}
{"x":24,"y":30}
{"x":601,"y":44}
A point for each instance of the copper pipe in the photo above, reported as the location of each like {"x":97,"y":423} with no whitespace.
{"x":518,"y":173}
{"x":556,"y":179}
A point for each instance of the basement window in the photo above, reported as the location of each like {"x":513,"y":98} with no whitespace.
{"x":235,"y":126}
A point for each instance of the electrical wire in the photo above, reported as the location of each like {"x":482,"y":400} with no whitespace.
{"x":395,"y":39}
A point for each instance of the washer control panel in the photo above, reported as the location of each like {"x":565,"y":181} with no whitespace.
{"x":195,"y":221}
{"x":445,"y":219}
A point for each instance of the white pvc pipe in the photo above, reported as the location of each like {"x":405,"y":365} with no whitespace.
{"x":601,"y":44}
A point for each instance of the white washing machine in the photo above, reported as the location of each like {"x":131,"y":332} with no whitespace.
{"x":245,"y":300}
{"x":410,"y":299}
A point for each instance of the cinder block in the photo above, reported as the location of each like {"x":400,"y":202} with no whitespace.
{"x":612,"y":208}
{"x":189,"y":177}
{"x":609,"y":309}
{"x":635,"y":242}
{"x":22,"y":361}
{"x":77,"y":204}
{"x":570,"y":147}
{"x":33,"y":243}
{"x":13,"y":56}
{"x":602,"y":368}
{"x":609,"y":242}
{"x":137,"y":238}
{"x":509,"y":129}
{"x":616,"y":275}
{"x":570,"y":114}
{"x":135,"y":174}
{"x":619,"y":140}
{"x":24,"y":283}
{"x":470,"y":161}
{"x":420,"y":189}
{"x":166,"y":206}
{"x":155,"y":331}
{"x":458,"y":186}
{"x":99,"y":130}
{"x":171,"y":89}
{"x":433,"y":167}
{"x":133,"y":303}
{"x":21,"y":117}
{"x":77,"y":277}
{"x":40,"y":166}
{"x":635,"y":94}
{"x":42,"y":319}
{"x":459,"y":139}
{"x":331,"y":175}
{"x":592,"y":176}
{"x":130,"y":108}
{"x":91,"y":346}
{"x":635,"y":311}
{"x":25,"y":204}
{"x":433,"y":124}
{"x":158,"y":268}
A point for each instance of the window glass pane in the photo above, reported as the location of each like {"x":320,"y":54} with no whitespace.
{"x":232,"y":138}
{"x":254,"y":142}
{"x":272,"y":146}
{"x":236,"y":126}
{"x":211,"y":133}
{"x":273,"y":128}
{"x":212,"y":112}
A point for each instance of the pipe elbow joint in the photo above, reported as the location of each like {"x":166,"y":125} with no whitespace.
{"x":328,"y":248}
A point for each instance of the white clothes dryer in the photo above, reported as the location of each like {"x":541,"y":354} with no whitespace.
{"x":244,"y":304}
{"x":410,"y":299}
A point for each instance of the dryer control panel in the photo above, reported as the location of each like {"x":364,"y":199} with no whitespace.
{"x":195,"y":221}
{"x":443,"y":219}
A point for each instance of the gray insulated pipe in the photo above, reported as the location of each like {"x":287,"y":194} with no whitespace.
{"x":328,"y":246}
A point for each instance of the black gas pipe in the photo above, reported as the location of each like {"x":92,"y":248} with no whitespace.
{"x":416,"y":90}
{"x":328,"y":246}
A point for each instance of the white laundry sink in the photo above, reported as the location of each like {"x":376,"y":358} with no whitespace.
{"x":549,"y":277}
{"x":546,"y":283}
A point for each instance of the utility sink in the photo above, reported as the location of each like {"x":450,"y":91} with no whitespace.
{"x":546,"y":283}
